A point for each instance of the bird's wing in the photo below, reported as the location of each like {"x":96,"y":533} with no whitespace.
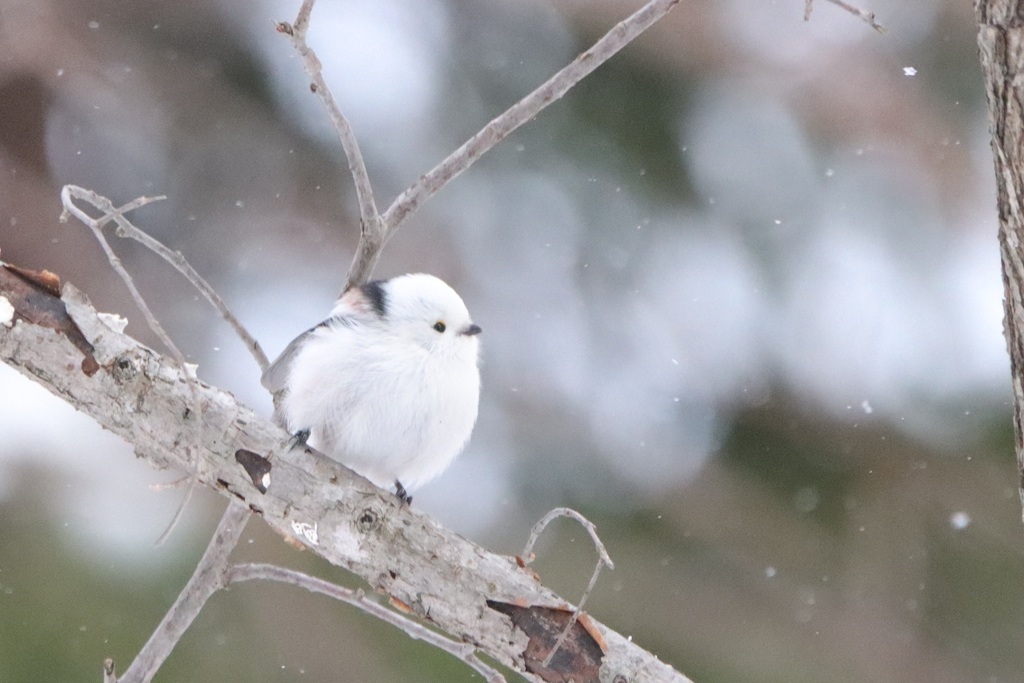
{"x":276,"y":376}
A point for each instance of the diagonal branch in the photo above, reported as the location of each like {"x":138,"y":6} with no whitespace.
{"x":208,"y":577}
{"x":522,"y":111}
{"x":440,"y":576}
{"x":298,"y":506}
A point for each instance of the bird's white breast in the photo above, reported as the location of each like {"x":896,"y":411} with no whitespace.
{"x":381,"y":404}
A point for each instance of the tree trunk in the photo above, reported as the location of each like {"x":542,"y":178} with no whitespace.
{"x":1001,"y":50}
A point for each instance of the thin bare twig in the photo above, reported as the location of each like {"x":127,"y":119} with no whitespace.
{"x":372,"y":233}
{"x":189,"y":490}
{"x":97,"y":228}
{"x":268,"y":572}
{"x":163,"y":486}
{"x":125,"y":228}
{"x":375,"y":229}
{"x":208,"y":578}
{"x":522,"y":111}
{"x":603,"y":560}
{"x":869,"y":17}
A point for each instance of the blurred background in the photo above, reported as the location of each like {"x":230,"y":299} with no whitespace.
{"x":741,"y":303}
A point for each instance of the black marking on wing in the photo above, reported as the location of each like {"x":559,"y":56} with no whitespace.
{"x":375,"y":294}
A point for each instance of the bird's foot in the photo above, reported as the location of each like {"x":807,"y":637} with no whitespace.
{"x":298,"y":439}
{"x":403,"y":496}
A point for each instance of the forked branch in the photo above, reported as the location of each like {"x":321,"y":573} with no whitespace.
{"x":207,"y":578}
{"x":525,"y":109}
{"x":377,"y":229}
{"x":125,"y":228}
{"x":96,"y":225}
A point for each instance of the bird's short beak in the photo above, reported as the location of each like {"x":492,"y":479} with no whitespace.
{"x":471,"y":330}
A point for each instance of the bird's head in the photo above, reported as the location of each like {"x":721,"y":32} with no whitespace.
{"x":425,"y":310}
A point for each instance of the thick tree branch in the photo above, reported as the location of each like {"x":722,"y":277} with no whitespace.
{"x":475,"y":596}
{"x":1001,"y":50}
{"x":504,"y":620}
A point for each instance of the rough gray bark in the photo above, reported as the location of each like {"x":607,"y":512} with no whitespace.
{"x":1001,"y":49}
{"x":474,"y":595}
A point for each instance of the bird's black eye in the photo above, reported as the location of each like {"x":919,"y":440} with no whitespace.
{"x":440,"y":326}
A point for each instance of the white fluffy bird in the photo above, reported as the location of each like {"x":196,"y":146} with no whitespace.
{"x":388,"y":385}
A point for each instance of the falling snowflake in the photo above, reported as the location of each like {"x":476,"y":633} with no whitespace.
{"x":959,"y":520}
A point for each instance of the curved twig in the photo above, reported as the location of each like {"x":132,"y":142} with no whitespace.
{"x":172,"y":525}
{"x":540,"y":526}
{"x":603,"y":560}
